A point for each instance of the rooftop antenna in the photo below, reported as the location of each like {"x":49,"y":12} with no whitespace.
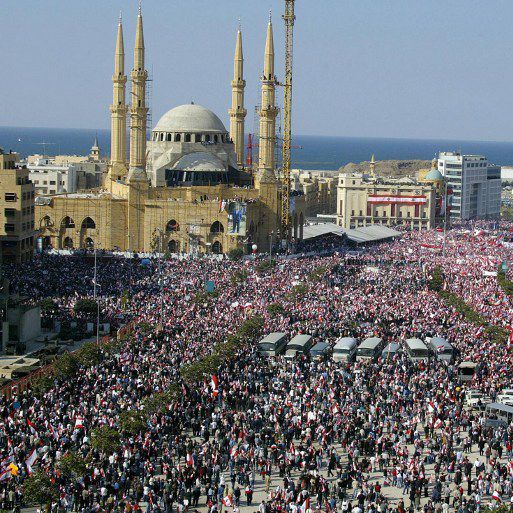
{"x":240,"y":25}
{"x":140,"y":7}
{"x":44,"y":145}
{"x":120,"y":17}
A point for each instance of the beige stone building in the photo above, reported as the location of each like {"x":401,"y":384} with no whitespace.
{"x":319,"y":189}
{"x":16,"y":210}
{"x":366,"y":200}
{"x":185,"y":189}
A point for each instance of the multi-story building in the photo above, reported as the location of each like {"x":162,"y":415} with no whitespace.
{"x":475,"y":185}
{"x":50,"y":178}
{"x":16,"y":210}
{"x":364,"y":201}
{"x":319,"y":189}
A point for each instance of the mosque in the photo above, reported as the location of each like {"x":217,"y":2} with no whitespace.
{"x":186,"y":189}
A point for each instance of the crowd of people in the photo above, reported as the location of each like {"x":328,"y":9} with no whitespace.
{"x":275,"y":435}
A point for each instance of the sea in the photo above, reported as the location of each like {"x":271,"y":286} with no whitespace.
{"x":309,"y":152}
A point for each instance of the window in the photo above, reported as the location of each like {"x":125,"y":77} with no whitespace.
{"x":9,"y":227}
{"x":52,"y":182}
{"x":9,"y":212}
{"x":10,"y":196}
{"x":352,"y":212}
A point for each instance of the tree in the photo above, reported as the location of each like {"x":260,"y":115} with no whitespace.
{"x":236,"y":254}
{"x":275,"y":309}
{"x":73,"y":464}
{"x":105,"y":439}
{"x":436,"y":283}
{"x":89,"y":354}
{"x":39,"y":489}
{"x":265,"y":265}
{"x":87,"y":307}
{"x":251,"y":328}
{"x":41,"y":385}
{"x":239,"y":276}
{"x":65,"y":366}
{"x":48,"y":306}
{"x":317,"y":274}
{"x":132,"y":422}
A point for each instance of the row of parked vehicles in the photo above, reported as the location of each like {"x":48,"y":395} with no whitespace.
{"x":347,"y":349}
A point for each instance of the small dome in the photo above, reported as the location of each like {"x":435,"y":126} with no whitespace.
{"x":434,"y":176}
{"x":200,"y":161}
{"x":190,"y":118}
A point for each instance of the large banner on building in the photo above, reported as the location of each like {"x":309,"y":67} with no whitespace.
{"x":401,"y":200}
{"x":237,"y":218}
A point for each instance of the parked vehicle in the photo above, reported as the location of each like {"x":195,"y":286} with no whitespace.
{"x":300,"y":344}
{"x":345,"y":349}
{"x":369,"y":349}
{"x":272,"y":344}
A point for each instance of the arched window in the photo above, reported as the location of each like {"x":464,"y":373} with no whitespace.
{"x":216,"y":139}
{"x":217,"y":227}
{"x":67,"y":222}
{"x":173,"y":246}
{"x":197,"y":138}
{"x":88,"y":224}
{"x":172,"y":226}
{"x":162,"y":136}
{"x":45,"y":222}
{"x":207,"y":138}
{"x":217,"y":248}
{"x":168,"y":137}
{"x":68,"y":243}
{"x":178,"y":137}
{"x":187,"y":137}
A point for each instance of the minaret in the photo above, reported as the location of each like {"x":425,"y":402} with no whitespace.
{"x":95,"y":151}
{"x":118,"y":111}
{"x":138,"y":111}
{"x":373,"y":167}
{"x":238,"y":112}
{"x":268,"y":112}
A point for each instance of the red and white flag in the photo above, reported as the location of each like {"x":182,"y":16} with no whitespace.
{"x":496,"y":496}
{"x":32,"y":427}
{"x":305,"y":506}
{"x":510,"y":339}
{"x":437,"y":424}
{"x":214,"y":384}
{"x":431,"y":407}
{"x":79,"y":422}
{"x":29,"y":462}
{"x":234,"y":452}
{"x":52,"y":431}
{"x":6,"y":474}
{"x":189,"y":460}
{"x":228,"y":501}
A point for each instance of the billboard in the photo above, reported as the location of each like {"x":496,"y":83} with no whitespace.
{"x":237,"y":218}
{"x":405,"y":200}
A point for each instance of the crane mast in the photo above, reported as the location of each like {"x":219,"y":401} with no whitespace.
{"x":289,"y":18}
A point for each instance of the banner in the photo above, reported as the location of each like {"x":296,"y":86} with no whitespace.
{"x":404,"y":200}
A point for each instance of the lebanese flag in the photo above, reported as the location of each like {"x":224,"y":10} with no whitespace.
{"x":32,"y":427}
{"x":29,"y":462}
{"x":496,"y":496}
{"x":510,"y":339}
{"x":189,"y":460}
{"x":6,"y":474}
{"x":214,"y":383}
{"x":79,"y":422}
{"x":335,"y":409}
{"x":52,"y":431}
{"x":305,"y":506}
{"x":431,"y":407}
{"x":438,"y":424}
{"x":227,"y":501}
{"x":234,"y":452}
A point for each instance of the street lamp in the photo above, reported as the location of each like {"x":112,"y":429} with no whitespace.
{"x":96,"y":286}
{"x":254,"y":247}
{"x":161,"y":280}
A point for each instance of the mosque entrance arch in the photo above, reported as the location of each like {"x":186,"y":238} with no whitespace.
{"x":66,"y":230}
{"x":173,"y":246}
{"x":87,"y":229}
{"x":67,"y":243}
{"x":217,"y":248}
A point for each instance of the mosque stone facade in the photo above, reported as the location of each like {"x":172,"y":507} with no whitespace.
{"x":183,"y":191}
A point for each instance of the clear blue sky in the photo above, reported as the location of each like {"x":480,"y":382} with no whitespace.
{"x":386,"y":68}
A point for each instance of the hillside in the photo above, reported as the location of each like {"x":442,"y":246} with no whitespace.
{"x":389,"y":168}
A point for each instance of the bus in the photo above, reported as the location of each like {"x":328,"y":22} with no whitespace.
{"x":345,"y":349}
{"x":369,"y":349}
{"x":390,"y":351}
{"x":500,"y":411}
{"x":320,"y":350}
{"x":272,"y":344}
{"x":417,"y":350}
{"x":441,"y":349}
{"x":300,"y":344}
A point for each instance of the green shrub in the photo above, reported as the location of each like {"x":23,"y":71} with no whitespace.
{"x":265,"y":265}
{"x":105,"y":439}
{"x":87,"y":307}
{"x":436,"y":283}
{"x":275,"y":309}
{"x":65,"y":366}
{"x":41,"y":385}
{"x":89,"y":354}
{"x":73,"y":464}
{"x":132,"y":422}
{"x":39,"y":489}
{"x":48,"y":306}
{"x":236,"y":254}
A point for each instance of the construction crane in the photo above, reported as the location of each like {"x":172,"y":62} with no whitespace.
{"x":289,"y":18}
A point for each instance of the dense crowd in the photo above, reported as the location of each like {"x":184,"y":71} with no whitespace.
{"x":304,"y":435}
